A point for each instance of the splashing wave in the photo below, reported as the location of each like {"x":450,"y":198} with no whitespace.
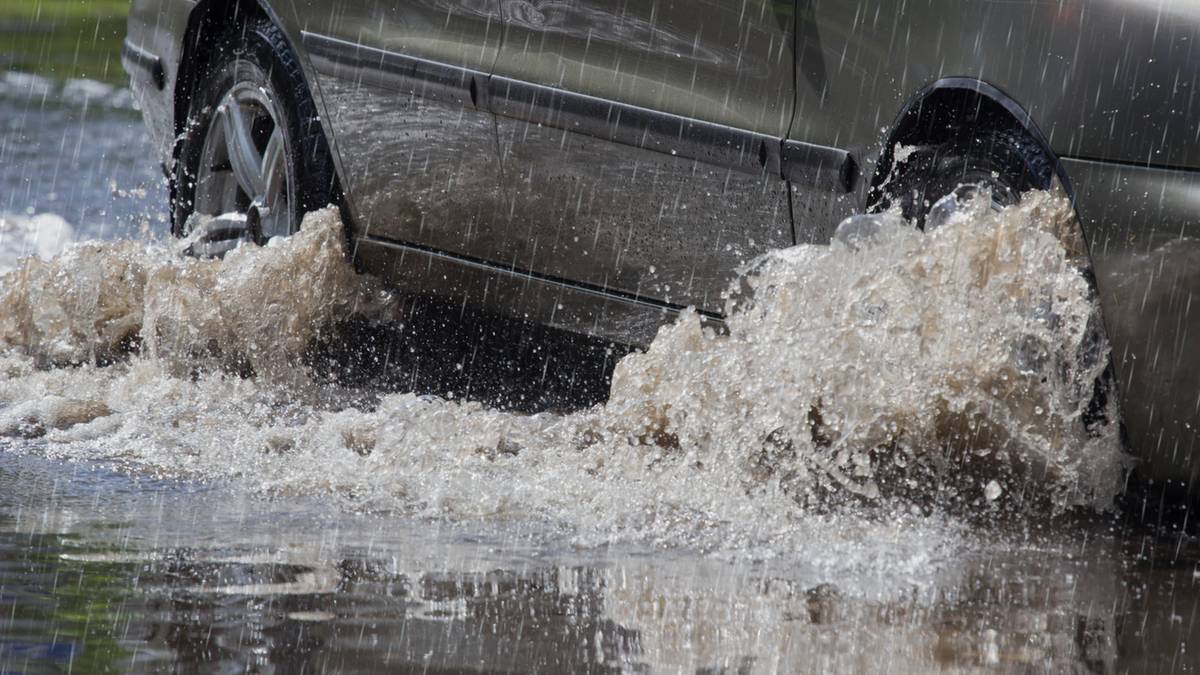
{"x":895,"y":369}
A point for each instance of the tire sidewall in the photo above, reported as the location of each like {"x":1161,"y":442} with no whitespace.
{"x":1006,"y":161}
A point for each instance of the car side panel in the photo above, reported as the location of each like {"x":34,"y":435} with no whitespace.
{"x":418,"y":156}
{"x":622,"y":199}
{"x":1144,"y":229}
{"x":1114,"y":80}
{"x":714,"y":60}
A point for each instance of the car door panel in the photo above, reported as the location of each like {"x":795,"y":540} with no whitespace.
{"x":640,"y":142}
{"x":626,"y":220}
{"x":400,"y":81}
{"x":723,"y":61}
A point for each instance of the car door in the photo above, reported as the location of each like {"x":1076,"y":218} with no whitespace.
{"x":400,"y":81}
{"x":641,"y":142}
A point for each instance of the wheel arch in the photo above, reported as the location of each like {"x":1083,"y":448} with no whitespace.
{"x":940,"y":108}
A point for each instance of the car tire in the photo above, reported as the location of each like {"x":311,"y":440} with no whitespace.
{"x":1005,"y":160}
{"x":252,"y":83}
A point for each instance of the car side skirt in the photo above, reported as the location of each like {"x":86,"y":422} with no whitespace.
{"x":525,"y":295}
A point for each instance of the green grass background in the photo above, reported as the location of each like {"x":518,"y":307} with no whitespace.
{"x":63,"y":38}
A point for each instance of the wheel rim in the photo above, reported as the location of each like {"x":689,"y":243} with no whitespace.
{"x":243,"y":165}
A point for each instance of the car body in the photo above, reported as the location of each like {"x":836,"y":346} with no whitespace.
{"x":598,"y":165}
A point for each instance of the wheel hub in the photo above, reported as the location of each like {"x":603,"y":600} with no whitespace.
{"x":244,"y":168}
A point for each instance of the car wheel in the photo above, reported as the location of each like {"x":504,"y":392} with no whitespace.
{"x":252,"y":157}
{"x":1007,"y":162}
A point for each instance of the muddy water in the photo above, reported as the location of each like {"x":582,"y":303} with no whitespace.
{"x":127,"y":571}
{"x":882,"y":466}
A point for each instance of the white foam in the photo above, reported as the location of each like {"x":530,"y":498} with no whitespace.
{"x":74,"y":91}
{"x":43,"y":235}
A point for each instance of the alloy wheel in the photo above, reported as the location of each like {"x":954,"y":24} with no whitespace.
{"x":244,"y":173}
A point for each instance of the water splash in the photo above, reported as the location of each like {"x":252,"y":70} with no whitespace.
{"x":43,"y":235}
{"x":964,"y":356}
{"x":896,"y":369}
{"x":99,"y":300}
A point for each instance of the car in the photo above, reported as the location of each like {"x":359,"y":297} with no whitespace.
{"x":598,"y":166}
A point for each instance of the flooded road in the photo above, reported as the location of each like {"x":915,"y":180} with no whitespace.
{"x":103,"y":569}
{"x":204,"y":470}
{"x":76,"y":153}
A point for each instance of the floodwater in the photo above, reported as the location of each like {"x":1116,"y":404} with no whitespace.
{"x":104,"y":568}
{"x":878,"y":469}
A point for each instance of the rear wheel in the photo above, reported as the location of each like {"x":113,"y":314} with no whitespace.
{"x":1006,"y":161}
{"x":253,"y":158}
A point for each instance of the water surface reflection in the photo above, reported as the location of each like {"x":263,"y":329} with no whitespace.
{"x":99,"y":570}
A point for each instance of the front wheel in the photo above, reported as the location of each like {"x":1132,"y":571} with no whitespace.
{"x":253,"y":158}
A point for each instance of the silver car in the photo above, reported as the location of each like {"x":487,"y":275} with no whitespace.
{"x":598,"y":165}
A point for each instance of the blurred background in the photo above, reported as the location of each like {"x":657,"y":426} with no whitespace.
{"x":74,"y":159}
{"x":64,"y":39}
